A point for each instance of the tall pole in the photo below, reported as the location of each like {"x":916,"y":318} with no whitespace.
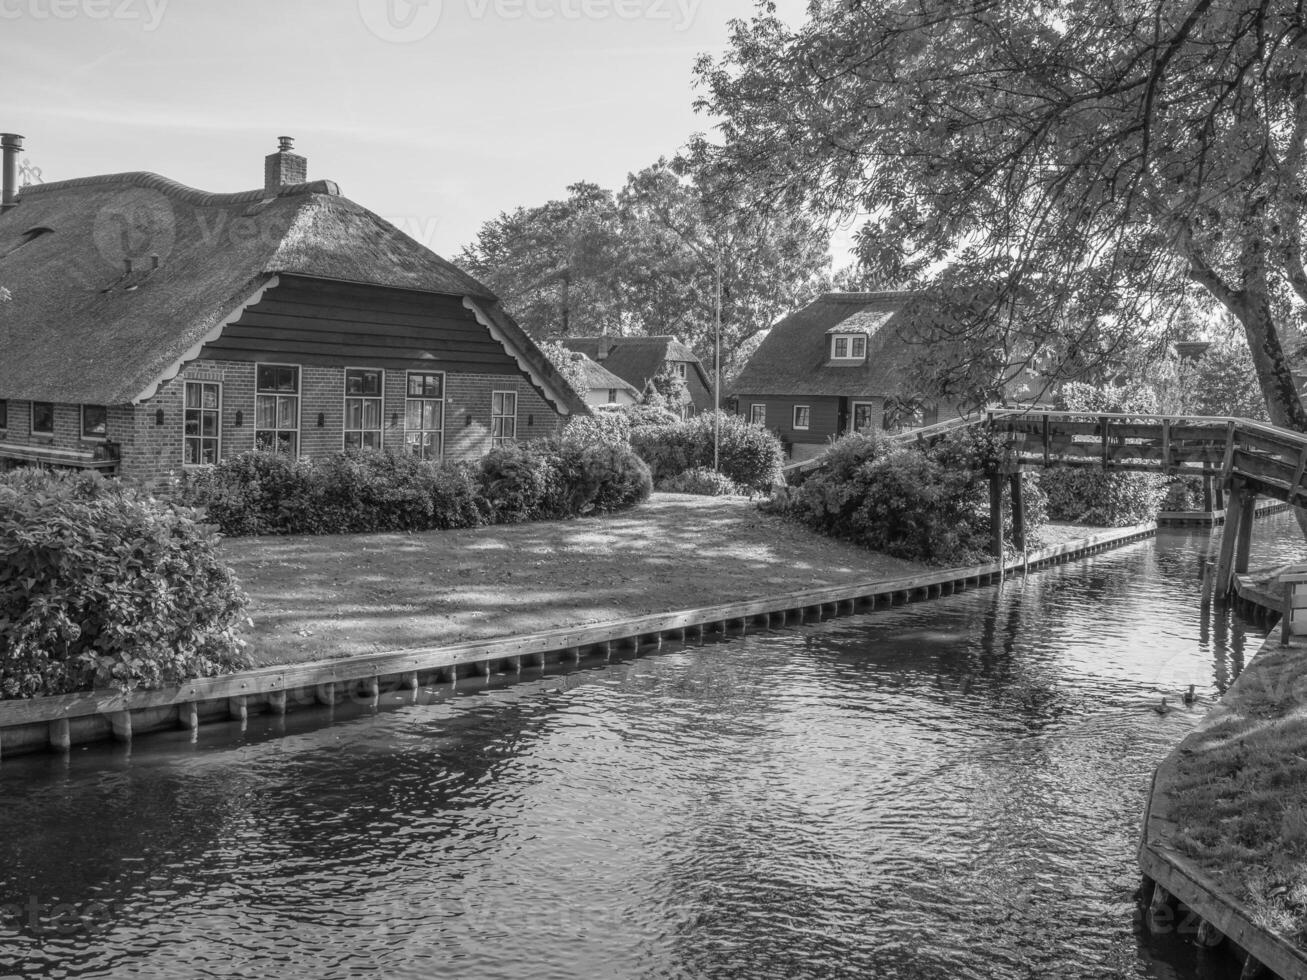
{"x":717,"y":358}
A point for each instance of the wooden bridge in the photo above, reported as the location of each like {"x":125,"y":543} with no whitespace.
{"x":1239,"y":457}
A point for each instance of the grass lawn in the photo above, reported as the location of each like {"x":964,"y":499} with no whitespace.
{"x":316,"y":598}
{"x":1237,"y":790}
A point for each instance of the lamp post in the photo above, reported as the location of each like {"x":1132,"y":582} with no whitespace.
{"x":717,"y":359}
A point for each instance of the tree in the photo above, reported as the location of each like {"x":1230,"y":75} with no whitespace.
{"x":558,"y":267}
{"x":1224,"y":382}
{"x":1064,"y":174}
{"x":666,"y":390}
{"x":645,"y":261}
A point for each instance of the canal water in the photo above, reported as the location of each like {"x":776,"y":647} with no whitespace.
{"x":949,"y":789}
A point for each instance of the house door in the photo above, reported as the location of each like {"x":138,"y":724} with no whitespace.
{"x":842,"y":417}
{"x":864,"y":416}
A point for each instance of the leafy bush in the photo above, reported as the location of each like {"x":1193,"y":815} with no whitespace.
{"x":522,"y":483}
{"x":601,"y":428}
{"x":1084,"y":495}
{"x":1185,"y":493}
{"x":623,"y":479}
{"x":644,"y":416}
{"x":101,"y":586}
{"x":898,"y":498}
{"x":748,"y":454}
{"x":702,"y":481}
{"x":254,"y":493}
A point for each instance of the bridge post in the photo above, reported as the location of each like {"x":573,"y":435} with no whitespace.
{"x":1236,"y":537}
{"x":996,"y":514}
{"x":1018,"y":511}
{"x":1247,"y":504}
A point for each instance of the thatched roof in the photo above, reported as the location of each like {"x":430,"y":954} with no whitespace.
{"x":794,"y":358}
{"x":79,"y":328}
{"x":635,"y":359}
{"x":599,"y":377}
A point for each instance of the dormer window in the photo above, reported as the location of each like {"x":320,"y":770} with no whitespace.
{"x":848,"y":346}
{"x":679,"y":368}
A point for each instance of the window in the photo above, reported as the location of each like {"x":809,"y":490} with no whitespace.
{"x":277,"y":408}
{"x":95,"y":422}
{"x":424,"y":414}
{"x":42,"y":418}
{"x":612,"y":395}
{"x":503,"y":417}
{"x":4,"y":414}
{"x":201,"y":423}
{"x":801,"y":416}
{"x":846,"y":347}
{"x":680,"y":367}
{"x":758,"y":414}
{"x":363,"y":408}
{"x":864,"y":416}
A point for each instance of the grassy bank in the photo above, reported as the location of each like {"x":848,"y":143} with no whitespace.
{"x":1237,"y":791}
{"x":340,"y":595}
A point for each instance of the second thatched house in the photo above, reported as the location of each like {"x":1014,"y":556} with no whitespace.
{"x":833,"y":367}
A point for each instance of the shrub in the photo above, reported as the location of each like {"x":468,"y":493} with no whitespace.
{"x":254,"y":493}
{"x":521,"y":483}
{"x":703,"y":481}
{"x":747,"y":453}
{"x":644,"y":416}
{"x":101,"y":586}
{"x":1088,"y":496}
{"x":623,"y":479}
{"x":928,"y":504}
{"x":601,"y":428}
{"x":1185,"y":493}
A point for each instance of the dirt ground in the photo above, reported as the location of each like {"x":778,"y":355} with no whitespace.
{"x":317,"y":598}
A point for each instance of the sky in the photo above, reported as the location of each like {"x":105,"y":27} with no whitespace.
{"x":436,"y":114}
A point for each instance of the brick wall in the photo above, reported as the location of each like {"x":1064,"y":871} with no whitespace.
{"x":153,"y":452}
{"x":67,"y":434}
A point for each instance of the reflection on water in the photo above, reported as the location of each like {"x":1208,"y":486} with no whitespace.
{"x":947,"y":789}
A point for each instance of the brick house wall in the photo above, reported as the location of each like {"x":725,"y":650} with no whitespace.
{"x":152,"y":452}
{"x":67,"y":436}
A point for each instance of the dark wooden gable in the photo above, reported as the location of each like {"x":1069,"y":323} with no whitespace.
{"x":307,"y":321}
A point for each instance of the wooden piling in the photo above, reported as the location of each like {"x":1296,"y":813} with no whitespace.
{"x":121,"y":724}
{"x":237,"y":709}
{"x":60,"y":738}
{"x":1018,"y":511}
{"x":996,"y":515}
{"x":277,"y":702}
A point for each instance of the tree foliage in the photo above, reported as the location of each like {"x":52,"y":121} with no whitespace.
{"x":645,"y":261}
{"x":1067,"y":173}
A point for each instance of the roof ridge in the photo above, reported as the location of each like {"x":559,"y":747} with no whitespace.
{"x":171,"y":188}
{"x":865,"y":297}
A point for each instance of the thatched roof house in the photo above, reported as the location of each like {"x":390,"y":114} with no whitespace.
{"x":166,"y":309}
{"x":602,"y":387}
{"x":637,"y":360}
{"x":832,"y":367}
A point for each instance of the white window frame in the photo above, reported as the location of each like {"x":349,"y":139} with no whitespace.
{"x":379,"y":398}
{"x":409,"y":430}
{"x":201,"y":438}
{"x":807,"y":415}
{"x":758,"y":413}
{"x":31,"y":419}
{"x":855,"y":346}
{"x":503,"y":417}
{"x":277,"y":430}
{"x":680,"y":368}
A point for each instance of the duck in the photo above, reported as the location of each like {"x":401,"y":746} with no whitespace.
{"x":1163,"y":708}
{"x":1189,"y":696}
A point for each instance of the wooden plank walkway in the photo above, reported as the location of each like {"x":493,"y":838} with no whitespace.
{"x":58,"y":722}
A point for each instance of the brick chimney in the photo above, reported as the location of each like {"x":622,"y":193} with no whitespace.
{"x":10,"y":145}
{"x":284,"y":168}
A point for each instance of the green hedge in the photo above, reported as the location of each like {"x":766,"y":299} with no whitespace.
{"x":363,"y":491}
{"x":702,"y":481}
{"x":927,"y":505}
{"x":100,"y":586}
{"x":748,"y":454}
